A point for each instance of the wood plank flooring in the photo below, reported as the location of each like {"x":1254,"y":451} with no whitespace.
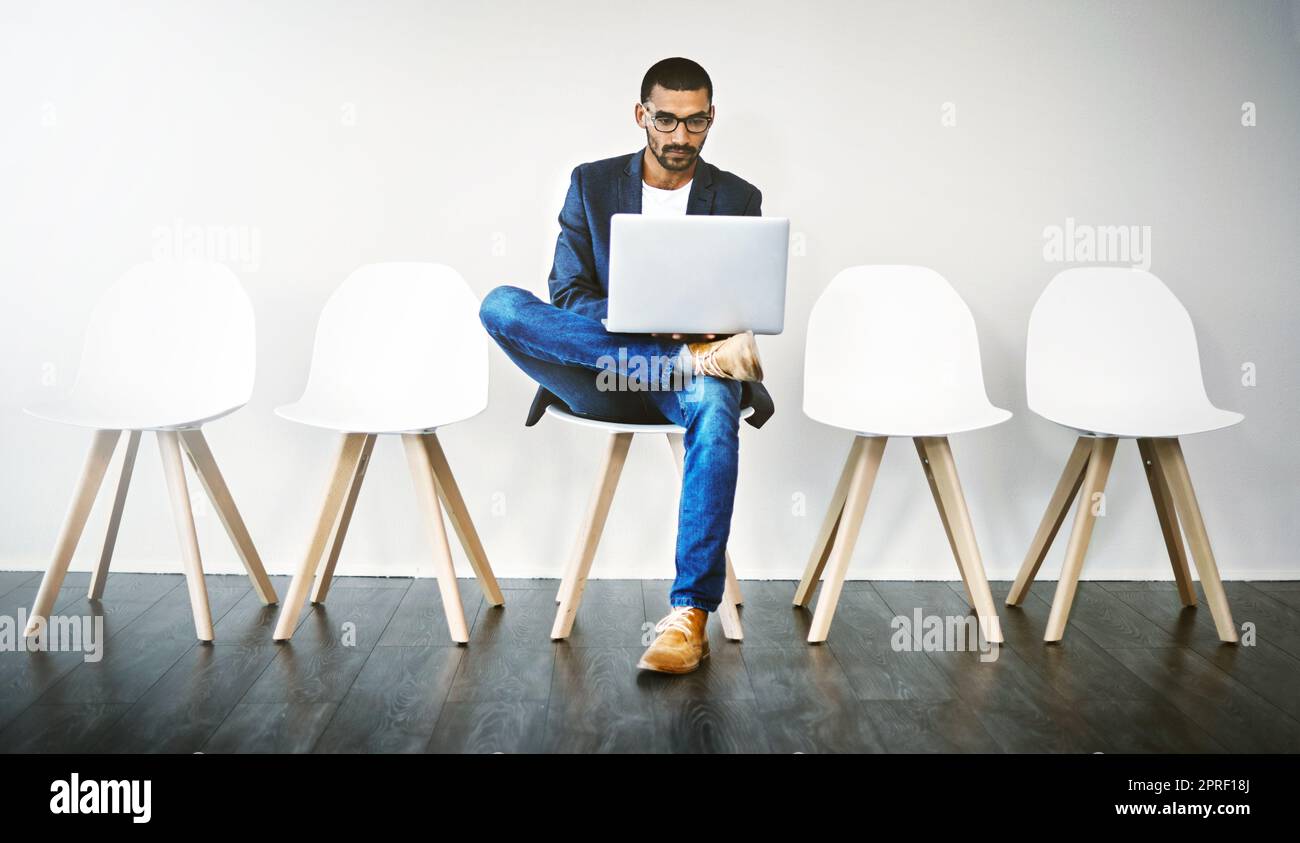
{"x":374,"y":671}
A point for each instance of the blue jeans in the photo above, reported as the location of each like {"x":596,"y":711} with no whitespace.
{"x":577,"y":359}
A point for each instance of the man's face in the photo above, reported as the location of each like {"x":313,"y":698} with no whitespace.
{"x":678,"y":149}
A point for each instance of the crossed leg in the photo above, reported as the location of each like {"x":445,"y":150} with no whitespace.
{"x":567,"y":353}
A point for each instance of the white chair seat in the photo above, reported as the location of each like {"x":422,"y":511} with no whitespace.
{"x":399,"y":349}
{"x":123,"y":415}
{"x":1111,"y":352}
{"x":903,"y":421}
{"x":893,"y":351}
{"x":563,"y":414}
{"x":169,"y":345}
{"x":1144,"y":422}
{"x":347,"y":417}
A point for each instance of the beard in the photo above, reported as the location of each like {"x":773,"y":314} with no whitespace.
{"x":675,"y":163}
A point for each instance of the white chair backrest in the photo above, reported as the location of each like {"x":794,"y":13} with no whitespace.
{"x":1102,"y":337}
{"x":892,"y":349}
{"x":404,"y":342}
{"x":172,"y":339}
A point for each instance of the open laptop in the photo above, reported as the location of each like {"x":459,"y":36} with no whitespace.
{"x":697,"y":274}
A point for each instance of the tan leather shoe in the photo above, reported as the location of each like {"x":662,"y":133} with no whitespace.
{"x":736,"y":358}
{"x":682,"y":643}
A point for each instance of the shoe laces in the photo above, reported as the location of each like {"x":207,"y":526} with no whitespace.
{"x":678,"y":619}
{"x":703,"y":360}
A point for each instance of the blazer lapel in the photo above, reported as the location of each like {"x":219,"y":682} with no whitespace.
{"x":700,"y":200}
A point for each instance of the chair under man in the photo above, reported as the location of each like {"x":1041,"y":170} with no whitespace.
{"x":618,"y":441}
{"x":169,"y":347}
{"x":893,"y":351}
{"x":399,"y":350}
{"x":1111,"y":354}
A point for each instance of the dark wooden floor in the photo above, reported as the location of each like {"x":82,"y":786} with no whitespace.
{"x":1134,"y":674}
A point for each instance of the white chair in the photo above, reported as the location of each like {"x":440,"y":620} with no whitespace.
{"x":399,"y":349}
{"x":1112,"y":355}
{"x":619,"y":440}
{"x":170,"y":346}
{"x":892,"y":351}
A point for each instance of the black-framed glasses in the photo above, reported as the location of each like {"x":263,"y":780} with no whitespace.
{"x":695,"y":124}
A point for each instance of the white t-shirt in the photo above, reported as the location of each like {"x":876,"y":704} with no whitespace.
{"x":664,"y":203}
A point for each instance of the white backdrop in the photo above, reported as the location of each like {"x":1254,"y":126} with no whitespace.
{"x":296,"y":140}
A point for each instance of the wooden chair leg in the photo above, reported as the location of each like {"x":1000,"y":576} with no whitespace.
{"x":584,"y":551}
{"x":205,"y":466}
{"x":100,"y":577}
{"x":732,"y":629}
{"x":83,"y":500}
{"x":821,"y":550}
{"x":345,"y":465}
{"x":1094,"y":483}
{"x":733,"y":584}
{"x":1174,"y":469}
{"x":169,"y":446}
{"x":325,"y":576}
{"x":943,"y":514}
{"x":1168,"y":516}
{"x":863,"y":477}
{"x":461,"y":522}
{"x":962,"y":533}
{"x":729,"y":608}
{"x":426,"y":490}
{"x":1066,"y":489}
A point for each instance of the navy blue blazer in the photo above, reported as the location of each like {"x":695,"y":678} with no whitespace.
{"x":579,"y":278}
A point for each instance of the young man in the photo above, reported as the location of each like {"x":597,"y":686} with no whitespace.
{"x":700,"y":383}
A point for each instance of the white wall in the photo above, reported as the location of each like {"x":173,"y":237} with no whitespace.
{"x":332,"y":134}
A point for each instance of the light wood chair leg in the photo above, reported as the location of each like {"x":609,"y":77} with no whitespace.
{"x":732,"y":629}
{"x":863,"y":477}
{"x":1174,"y":469}
{"x":426,"y":490}
{"x":728,"y":609}
{"x":575,"y":578}
{"x":214,"y":484}
{"x":962,"y":533}
{"x":83,"y":500}
{"x":821,"y":550}
{"x":1066,"y":489}
{"x":574,"y":560}
{"x":943,"y":514}
{"x":169,"y":446}
{"x":461,"y":522}
{"x":100,"y":577}
{"x":325,"y":576}
{"x":1094,"y":483}
{"x":733,"y":584}
{"x":345,"y":464}
{"x":1168,"y":516}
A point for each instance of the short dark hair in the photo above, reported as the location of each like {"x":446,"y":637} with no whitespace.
{"x":676,"y":74}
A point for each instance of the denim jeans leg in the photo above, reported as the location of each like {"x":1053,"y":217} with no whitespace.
{"x":578,"y":389}
{"x":522,"y":323}
{"x":709,"y":409}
